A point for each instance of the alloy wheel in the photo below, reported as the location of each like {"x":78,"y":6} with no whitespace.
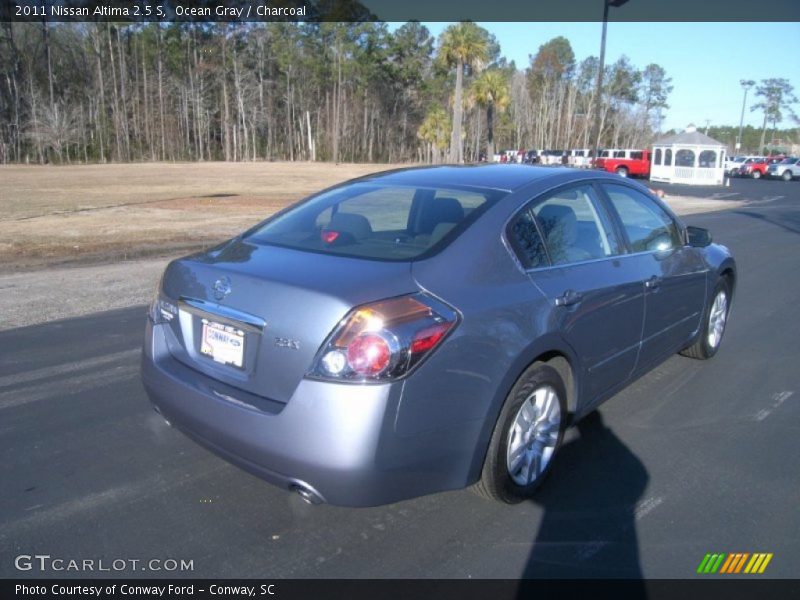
{"x":533,"y":435}
{"x":717,"y":318}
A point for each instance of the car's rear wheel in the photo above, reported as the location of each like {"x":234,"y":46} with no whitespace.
{"x":527,"y":436}
{"x":622,"y":171}
{"x":756,"y":174}
{"x":787,"y":175}
{"x":715,"y":320}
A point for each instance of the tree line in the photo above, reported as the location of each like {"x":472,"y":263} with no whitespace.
{"x":100,"y":92}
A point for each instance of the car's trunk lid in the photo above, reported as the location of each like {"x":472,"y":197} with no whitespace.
{"x":280,"y":303}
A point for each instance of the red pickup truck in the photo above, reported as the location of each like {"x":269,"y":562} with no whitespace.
{"x":635,"y":164}
{"x":758,"y":168}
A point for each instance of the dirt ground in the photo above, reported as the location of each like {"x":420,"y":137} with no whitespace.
{"x":98,"y":237}
{"x":103,"y":213}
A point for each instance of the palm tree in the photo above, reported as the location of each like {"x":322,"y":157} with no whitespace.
{"x":434,"y":131}
{"x":462,"y":44}
{"x":490,"y":90}
{"x":777,"y":94}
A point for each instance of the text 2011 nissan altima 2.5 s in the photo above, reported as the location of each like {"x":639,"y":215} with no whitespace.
{"x":429,"y":329}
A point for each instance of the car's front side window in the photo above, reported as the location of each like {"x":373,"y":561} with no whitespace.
{"x":574,"y":226}
{"x":566,"y":226}
{"x":648,"y":227}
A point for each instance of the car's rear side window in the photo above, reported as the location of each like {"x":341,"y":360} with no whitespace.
{"x":377,"y":221}
{"x":527,"y":241}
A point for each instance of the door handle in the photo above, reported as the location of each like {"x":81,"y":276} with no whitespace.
{"x":653,"y":283}
{"x":569,"y":298}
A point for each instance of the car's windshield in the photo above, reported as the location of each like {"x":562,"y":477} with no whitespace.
{"x":377,"y":221}
{"x":788,"y":161}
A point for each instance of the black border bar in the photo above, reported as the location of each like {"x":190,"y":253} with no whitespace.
{"x":732,"y":588}
{"x":396,"y":10}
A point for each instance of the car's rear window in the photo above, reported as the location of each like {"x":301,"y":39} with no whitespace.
{"x":377,"y":221}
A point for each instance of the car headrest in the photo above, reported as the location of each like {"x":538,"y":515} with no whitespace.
{"x":356,"y":225}
{"x":439,"y":210}
{"x":559,"y":222}
{"x":441,"y":230}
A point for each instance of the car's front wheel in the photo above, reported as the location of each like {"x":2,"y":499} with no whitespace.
{"x":787,"y":175}
{"x":715,"y":320}
{"x":527,"y":436}
{"x":622,"y":171}
{"x":756,"y":174}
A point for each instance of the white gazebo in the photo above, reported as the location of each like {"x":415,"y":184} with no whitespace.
{"x":688,"y":157}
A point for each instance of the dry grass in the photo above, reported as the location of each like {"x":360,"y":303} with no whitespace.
{"x":103,"y":213}
{"x":51,"y":215}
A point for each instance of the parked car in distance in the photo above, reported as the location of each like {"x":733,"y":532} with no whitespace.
{"x":552,"y":157}
{"x":732,"y":163}
{"x":531,"y":157}
{"x":787,"y":169}
{"x":608,"y":153}
{"x":637,"y":164}
{"x":734,"y":166}
{"x":428,"y":329}
{"x":758,"y":168}
{"x":614,"y":153}
{"x":580,"y":158}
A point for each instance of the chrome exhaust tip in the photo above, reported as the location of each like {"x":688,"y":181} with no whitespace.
{"x":158,"y":410}
{"x":307,"y":494}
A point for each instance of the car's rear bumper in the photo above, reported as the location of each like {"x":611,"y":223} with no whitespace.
{"x":337,"y":440}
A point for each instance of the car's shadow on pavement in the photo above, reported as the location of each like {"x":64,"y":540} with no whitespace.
{"x":590,"y":501}
{"x":785,"y":220}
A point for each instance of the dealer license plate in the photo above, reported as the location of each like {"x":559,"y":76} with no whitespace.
{"x":223,"y":343}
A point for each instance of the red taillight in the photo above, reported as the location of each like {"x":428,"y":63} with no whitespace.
{"x":427,"y":338}
{"x":329,"y":236}
{"x":384,"y":340}
{"x":368,"y":354}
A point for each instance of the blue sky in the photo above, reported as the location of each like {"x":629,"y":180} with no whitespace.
{"x":705,"y":60}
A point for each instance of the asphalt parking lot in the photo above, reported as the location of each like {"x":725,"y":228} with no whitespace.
{"x":752,"y":191}
{"x":693,"y":458}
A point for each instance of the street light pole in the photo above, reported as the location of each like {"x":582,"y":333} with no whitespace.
{"x":598,"y":100}
{"x":746,"y":84}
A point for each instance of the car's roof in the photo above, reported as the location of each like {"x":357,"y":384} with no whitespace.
{"x":489,"y":176}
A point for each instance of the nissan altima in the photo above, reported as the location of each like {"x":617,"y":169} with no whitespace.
{"x":429,"y":329}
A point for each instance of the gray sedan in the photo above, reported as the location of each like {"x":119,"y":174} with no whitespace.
{"x":429,"y":329}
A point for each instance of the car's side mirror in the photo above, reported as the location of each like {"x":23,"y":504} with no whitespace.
{"x":698,"y":237}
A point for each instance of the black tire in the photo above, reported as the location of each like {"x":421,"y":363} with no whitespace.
{"x":756,"y":174}
{"x":787,"y":175}
{"x":496,"y":482}
{"x":622,"y":171}
{"x":702,"y":349}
